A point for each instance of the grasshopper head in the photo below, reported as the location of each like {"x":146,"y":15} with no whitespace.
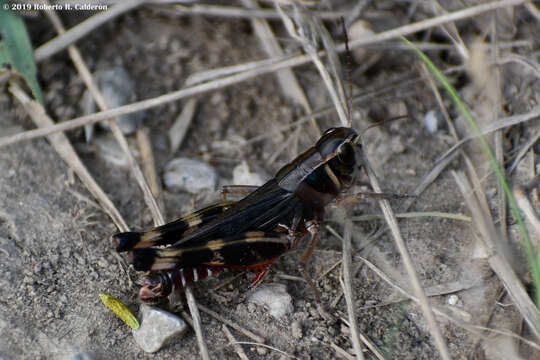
{"x":342,"y":149}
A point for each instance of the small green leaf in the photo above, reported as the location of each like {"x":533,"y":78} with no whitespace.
{"x":120,"y":309}
{"x":16,"y":50}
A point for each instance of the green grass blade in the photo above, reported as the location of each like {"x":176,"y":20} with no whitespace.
{"x":16,"y":50}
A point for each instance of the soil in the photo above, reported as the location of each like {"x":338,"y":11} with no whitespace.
{"x":56,"y":256}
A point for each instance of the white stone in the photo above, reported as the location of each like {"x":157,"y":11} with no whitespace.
{"x":274,"y":297}
{"x":243,"y":176}
{"x":452,"y":300}
{"x":182,"y":174}
{"x":433,"y":121}
{"x":158,"y":328}
{"x":118,"y":88}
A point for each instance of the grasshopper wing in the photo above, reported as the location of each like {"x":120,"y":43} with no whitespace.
{"x":242,"y":250}
{"x":171,"y":232}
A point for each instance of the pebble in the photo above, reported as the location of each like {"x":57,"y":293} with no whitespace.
{"x":158,"y":328}
{"x":82,"y":355}
{"x":274,"y":297}
{"x":433,"y":121}
{"x":358,"y":30}
{"x":118,"y":88}
{"x":261,"y":350}
{"x":243,"y":176}
{"x":189,"y":175}
{"x":479,"y":251}
{"x":452,"y":300}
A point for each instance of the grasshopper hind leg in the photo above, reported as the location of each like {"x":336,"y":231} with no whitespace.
{"x":312,"y":226}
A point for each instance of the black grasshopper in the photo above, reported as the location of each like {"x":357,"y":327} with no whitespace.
{"x":253,"y":232}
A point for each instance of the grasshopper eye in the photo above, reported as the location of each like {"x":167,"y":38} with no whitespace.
{"x":345,"y":153}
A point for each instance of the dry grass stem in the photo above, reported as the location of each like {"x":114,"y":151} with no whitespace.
{"x":179,"y":129}
{"x":440,"y":102}
{"x":478,"y":190}
{"x":494,"y":96}
{"x":501,"y":123}
{"x":291,"y":277}
{"x":77,"y":32}
{"x":149,"y":167}
{"x":429,"y":46}
{"x":533,"y":10}
{"x":85,"y":74}
{"x":235,"y":326}
{"x":407,"y":262}
{"x":239,"y":13}
{"x":341,"y":352}
{"x":339,"y":105}
{"x":356,"y":12}
{"x":230,"y":80}
{"x":64,"y":149}
{"x":194,"y":311}
{"x":528,"y":210}
{"x":286,"y":78}
{"x":530,"y":143}
{"x":498,"y":263}
{"x":187,"y":317}
{"x":371,"y":346}
{"x":367,"y":342}
{"x":510,"y":334}
{"x":241,"y":354}
{"x":530,"y":64}
{"x":328,"y":271}
{"x":348,"y":289}
{"x":309,"y":32}
{"x":436,"y":290}
{"x":213,"y":74}
{"x":469,"y":12}
{"x":416,"y":214}
{"x":451,"y":31}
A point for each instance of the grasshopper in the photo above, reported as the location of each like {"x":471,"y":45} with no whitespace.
{"x":252,"y":233}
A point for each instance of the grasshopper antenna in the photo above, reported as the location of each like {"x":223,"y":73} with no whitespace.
{"x":382,"y":122}
{"x":349,"y":78}
{"x":349,"y":69}
{"x":358,"y":138}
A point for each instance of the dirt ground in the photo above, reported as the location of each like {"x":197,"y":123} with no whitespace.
{"x":55,"y":251}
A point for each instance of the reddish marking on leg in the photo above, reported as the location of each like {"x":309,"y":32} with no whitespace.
{"x":258,"y":278}
{"x":259,"y":266}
